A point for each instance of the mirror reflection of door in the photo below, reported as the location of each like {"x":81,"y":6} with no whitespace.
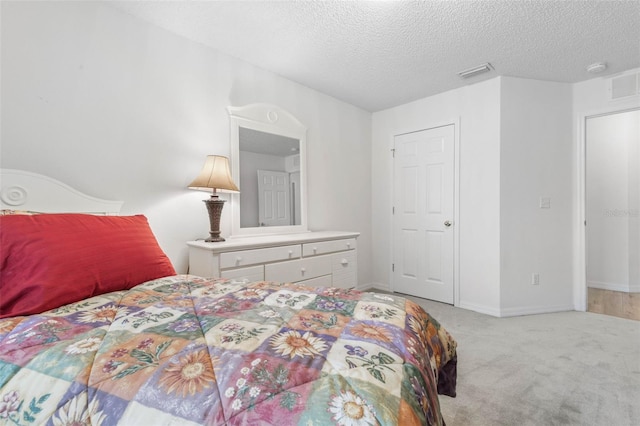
{"x":261,"y":152}
{"x":274,"y":198}
{"x":613,"y":213}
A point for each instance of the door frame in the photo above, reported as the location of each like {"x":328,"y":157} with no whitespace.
{"x":456,"y":198}
{"x":580,"y":295}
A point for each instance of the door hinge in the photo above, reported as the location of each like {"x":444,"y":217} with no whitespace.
{"x":393,"y":210}
{"x":393,"y":267}
{"x":393,"y":152}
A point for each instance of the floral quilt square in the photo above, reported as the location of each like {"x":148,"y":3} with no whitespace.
{"x":151,"y":316}
{"x":366,"y":361}
{"x":238,"y":334}
{"x":84,"y":304}
{"x":31,"y":396}
{"x":330,"y":323}
{"x":187,"y":326}
{"x":344,"y":401}
{"x":260,"y":378}
{"x":226,"y":306}
{"x":120,"y":369}
{"x":213,"y":291}
{"x":382,"y":312}
{"x":290,"y":299}
{"x":332,"y":304}
{"x":37,"y":335}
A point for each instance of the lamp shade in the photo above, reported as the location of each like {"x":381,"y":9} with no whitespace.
{"x":215,"y":175}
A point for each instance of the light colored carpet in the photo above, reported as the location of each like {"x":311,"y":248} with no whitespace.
{"x":567,"y":368}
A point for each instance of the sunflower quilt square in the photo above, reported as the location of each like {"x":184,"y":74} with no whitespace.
{"x":185,"y":385}
{"x":299,"y":346}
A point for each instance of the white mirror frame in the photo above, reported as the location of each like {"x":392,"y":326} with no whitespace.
{"x":270,"y":119}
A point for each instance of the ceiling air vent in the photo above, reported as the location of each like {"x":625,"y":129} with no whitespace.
{"x":624,"y":86}
{"x":472,"y":72}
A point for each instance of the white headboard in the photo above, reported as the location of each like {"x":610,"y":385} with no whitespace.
{"x":21,"y":190}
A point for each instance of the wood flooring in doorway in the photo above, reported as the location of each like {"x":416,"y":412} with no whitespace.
{"x":614,"y":303}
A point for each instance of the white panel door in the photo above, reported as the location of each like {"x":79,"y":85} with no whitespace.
{"x":273,"y":198}
{"x":423,"y":246}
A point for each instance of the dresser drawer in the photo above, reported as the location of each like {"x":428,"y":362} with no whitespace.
{"x":323,"y":281}
{"x":343,"y":261}
{"x":203,"y":263}
{"x":234,"y":259}
{"x":252,"y":273}
{"x":298,"y":270}
{"x":322,"y":247}
{"x":344,"y":267}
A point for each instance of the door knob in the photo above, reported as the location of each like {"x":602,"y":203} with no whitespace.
{"x":447,"y":223}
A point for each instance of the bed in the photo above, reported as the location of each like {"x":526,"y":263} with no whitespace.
{"x":107,"y":333}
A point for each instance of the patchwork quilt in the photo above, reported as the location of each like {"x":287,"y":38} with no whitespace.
{"x":185,"y":350}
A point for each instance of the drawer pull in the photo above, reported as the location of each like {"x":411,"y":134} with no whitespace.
{"x":303,"y":270}
{"x":315,"y":249}
{"x":238,"y":259}
{"x":290,"y":253}
{"x":348,"y":245}
{"x":344,"y":262}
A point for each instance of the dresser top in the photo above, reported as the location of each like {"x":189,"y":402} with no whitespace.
{"x":244,"y":243}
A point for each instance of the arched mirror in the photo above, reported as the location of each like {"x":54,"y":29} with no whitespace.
{"x":268,"y":160}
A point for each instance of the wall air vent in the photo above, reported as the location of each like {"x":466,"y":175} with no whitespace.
{"x":624,"y":86}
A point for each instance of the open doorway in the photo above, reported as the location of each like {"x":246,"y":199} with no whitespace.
{"x":612,"y":212}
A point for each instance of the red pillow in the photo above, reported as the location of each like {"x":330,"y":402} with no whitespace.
{"x":51,"y":260}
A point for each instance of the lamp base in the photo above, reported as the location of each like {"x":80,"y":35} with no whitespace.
{"x":214,"y":207}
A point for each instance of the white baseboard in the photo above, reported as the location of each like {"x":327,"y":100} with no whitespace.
{"x":376,"y":286}
{"x":534,"y":310}
{"x":625,"y":288}
{"x":487,"y":310}
{"x":514,"y":312}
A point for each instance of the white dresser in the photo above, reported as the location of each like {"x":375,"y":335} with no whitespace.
{"x":312,"y":258}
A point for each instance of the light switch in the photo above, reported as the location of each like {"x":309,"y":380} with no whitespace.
{"x":545,"y":202}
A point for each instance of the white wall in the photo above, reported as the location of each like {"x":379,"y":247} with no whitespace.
{"x":515,"y":146}
{"x":477,"y":107}
{"x":535,"y":157}
{"x":590,"y":98}
{"x":124,"y":110}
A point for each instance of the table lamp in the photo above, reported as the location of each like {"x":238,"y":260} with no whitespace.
{"x":215,"y":176}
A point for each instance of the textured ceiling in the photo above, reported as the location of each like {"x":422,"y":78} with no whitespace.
{"x":379,"y":54}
